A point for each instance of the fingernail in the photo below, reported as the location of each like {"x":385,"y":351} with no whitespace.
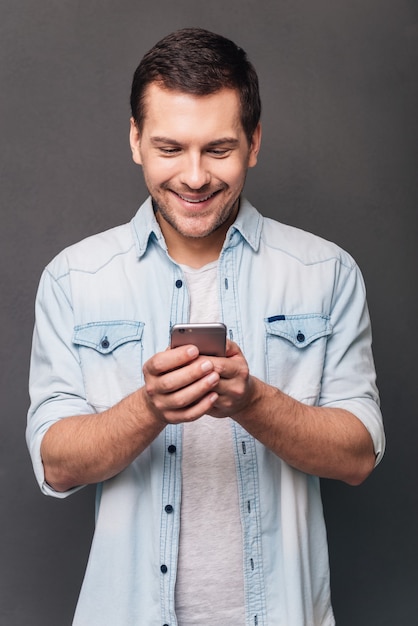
{"x":192,"y":351}
{"x":206,"y":366}
{"x":213,"y":378}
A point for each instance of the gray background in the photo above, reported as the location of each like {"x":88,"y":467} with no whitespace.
{"x":339,"y":158}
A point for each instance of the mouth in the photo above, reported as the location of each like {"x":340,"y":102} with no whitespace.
{"x":196,"y":199}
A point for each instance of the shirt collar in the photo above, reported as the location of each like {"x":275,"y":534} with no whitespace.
{"x":144,"y":226}
{"x":248,"y":225}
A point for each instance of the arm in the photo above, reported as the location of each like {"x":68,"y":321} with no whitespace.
{"x":84,"y":449}
{"x":72,"y":443}
{"x":91,"y":448}
{"x":326,"y":442}
{"x":343,"y":435}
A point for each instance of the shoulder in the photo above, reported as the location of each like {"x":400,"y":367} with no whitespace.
{"x":303,"y":246}
{"x":269,"y":236}
{"x":93,"y":252}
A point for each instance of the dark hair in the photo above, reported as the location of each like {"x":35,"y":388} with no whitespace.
{"x":196,"y":61}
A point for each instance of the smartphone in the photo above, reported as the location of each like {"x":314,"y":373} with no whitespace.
{"x":210,"y":339}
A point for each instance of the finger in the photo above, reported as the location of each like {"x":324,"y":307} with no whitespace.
{"x":231,"y":367}
{"x":180,"y":378}
{"x":191,"y":393}
{"x":192,"y":412}
{"x":232,"y":348}
{"x":187,"y":400}
{"x":170,"y":359}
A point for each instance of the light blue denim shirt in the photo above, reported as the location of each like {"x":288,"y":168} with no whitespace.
{"x":296,"y":306}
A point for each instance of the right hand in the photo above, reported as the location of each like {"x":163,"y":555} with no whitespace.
{"x":179,"y":385}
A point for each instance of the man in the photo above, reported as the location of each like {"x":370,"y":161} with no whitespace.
{"x":208,"y":503}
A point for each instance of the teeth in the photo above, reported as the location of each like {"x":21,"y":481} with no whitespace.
{"x":195,"y":201}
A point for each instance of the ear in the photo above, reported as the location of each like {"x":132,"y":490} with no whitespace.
{"x":255,"y":146}
{"x":135,"y":142}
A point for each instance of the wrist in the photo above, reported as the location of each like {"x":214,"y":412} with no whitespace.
{"x":252,"y":401}
{"x":143,"y":412}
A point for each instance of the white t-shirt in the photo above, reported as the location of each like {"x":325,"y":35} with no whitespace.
{"x":210,"y":581}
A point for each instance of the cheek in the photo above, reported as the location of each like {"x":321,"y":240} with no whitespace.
{"x":156,"y":173}
{"x":234,"y":176}
{"x":229,"y":170}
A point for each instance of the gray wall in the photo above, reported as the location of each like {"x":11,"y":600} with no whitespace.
{"x":339,"y":84}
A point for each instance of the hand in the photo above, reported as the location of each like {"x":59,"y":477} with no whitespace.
{"x":235,"y":386}
{"x":180,"y":385}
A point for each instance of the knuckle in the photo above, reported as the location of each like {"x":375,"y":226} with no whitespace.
{"x":165,"y":385}
{"x":244,"y":371}
{"x":182,"y":401}
{"x":150,"y":389}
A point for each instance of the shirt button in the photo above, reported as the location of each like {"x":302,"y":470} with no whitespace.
{"x":105,"y":343}
{"x":300,"y":337}
{"x":179,"y":283}
{"x":171,"y":449}
{"x":168,"y":508}
{"x":164,"y":569}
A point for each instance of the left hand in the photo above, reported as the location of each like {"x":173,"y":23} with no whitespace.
{"x":235,"y":385}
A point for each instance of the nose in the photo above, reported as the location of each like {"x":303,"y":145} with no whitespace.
{"x":195,"y":174}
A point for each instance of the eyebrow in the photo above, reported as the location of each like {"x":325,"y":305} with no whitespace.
{"x":223,"y":140}
{"x":232,"y":141}
{"x":164,"y":140}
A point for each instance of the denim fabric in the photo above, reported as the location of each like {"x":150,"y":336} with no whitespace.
{"x":296,"y":305}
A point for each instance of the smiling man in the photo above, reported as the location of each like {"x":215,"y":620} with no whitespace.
{"x":207,"y":468}
{"x":195,"y":155}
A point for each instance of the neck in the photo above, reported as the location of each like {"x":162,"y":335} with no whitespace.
{"x":193,"y":251}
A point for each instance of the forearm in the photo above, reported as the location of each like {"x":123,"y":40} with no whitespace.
{"x":326,"y":442}
{"x":86,"y":449}
{"x":91,"y":448}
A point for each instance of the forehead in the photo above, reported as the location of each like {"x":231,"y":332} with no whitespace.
{"x":176,"y":111}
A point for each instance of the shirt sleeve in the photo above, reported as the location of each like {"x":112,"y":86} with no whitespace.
{"x":349,"y":378}
{"x":55,"y":383}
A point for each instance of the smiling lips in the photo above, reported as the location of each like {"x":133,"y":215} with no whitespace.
{"x":195,"y":200}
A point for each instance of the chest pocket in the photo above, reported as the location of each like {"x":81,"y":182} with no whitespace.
{"x":295,"y":353}
{"x":111,"y":360}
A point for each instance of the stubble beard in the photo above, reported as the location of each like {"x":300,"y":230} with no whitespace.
{"x":223,"y":217}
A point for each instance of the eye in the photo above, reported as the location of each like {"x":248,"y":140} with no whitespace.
{"x":219,"y":152}
{"x":169,"y":151}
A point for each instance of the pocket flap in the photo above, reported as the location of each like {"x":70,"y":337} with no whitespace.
{"x":301,"y":330}
{"x":106,"y":336}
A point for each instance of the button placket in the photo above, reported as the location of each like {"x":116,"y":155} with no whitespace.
{"x":180,"y":302}
{"x":245,"y":452}
{"x":170,"y":520}
{"x":171,"y":487}
{"x":248,"y":490}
